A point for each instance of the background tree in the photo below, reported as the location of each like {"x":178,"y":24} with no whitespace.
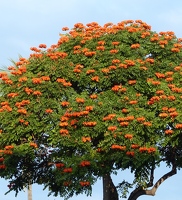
{"x":103,"y":99}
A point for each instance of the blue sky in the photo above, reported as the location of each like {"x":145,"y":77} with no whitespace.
{"x":27,"y":23}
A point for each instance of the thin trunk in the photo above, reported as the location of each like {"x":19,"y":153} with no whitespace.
{"x":29,"y":192}
{"x":109,"y":189}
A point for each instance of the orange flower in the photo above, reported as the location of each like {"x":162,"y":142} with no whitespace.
{"x":23,"y":79}
{"x":37,"y":93}
{"x":115,"y":43}
{"x":130,"y":153}
{"x":32,"y":144}
{"x":45,"y":78}
{"x":64,"y":132}
{"x":93,"y":96}
{"x":89,"y":108}
{"x":124,"y":124}
{"x":147,"y":123}
{"x":178,"y":126}
{"x":134,"y":146}
{"x":68,"y":170}
{"x":95,"y":78}
{"x":163,"y":115}
{"x":22,"y":111}
{"x":175,"y":50}
{"x":84,"y":163}
{"x":118,"y":147}
{"x":48,"y":110}
{"x":133,"y":102}
{"x":151,"y":150}
{"x":86,"y":139}
{"x":113,"y":51}
{"x":140,"y":119}
{"x":101,"y":48}
{"x":124,"y":110}
{"x":80,"y":100}
{"x":42,"y":46}
{"x":12,"y":95}
{"x":160,"y":75}
{"x":168,"y":132}
{"x":65,"y":103}
{"x":84,"y":183}
{"x":135,"y":46}
{"x":59,"y":165}
{"x":28,"y":90}
{"x":132,"y":82}
{"x":36,"y":80}
{"x":116,"y":61}
{"x":112,"y":128}
{"x":90,"y":124}
{"x":90,"y":71}
{"x":171,"y":98}
{"x":63,"y":124}
{"x":65,"y":29}
{"x":128,"y":136}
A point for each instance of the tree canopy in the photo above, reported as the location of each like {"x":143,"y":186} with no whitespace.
{"x":103,"y":99}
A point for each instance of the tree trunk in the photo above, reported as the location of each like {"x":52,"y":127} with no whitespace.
{"x":109,"y":189}
{"x":29,"y":192}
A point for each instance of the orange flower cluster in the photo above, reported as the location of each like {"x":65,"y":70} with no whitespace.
{"x":33,"y":144}
{"x":57,"y":55}
{"x":48,"y":110}
{"x":90,"y":53}
{"x":130,"y":153}
{"x":22,"y":111}
{"x":12,"y":95}
{"x":132,"y":82}
{"x":64,"y":132}
{"x":147,"y":149}
{"x":135,"y":146}
{"x":2,"y":166}
{"x":80,"y":100}
{"x":128,"y":136}
{"x":68,"y":170}
{"x":28,"y":90}
{"x":59,"y":165}
{"x":101,"y":48}
{"x":178,"y":126}
{"x":22,"y":103}
{"x":42,"y":46}
{"x":6,"y":108}
{"x":67,"y":183}
{"x":135,"y":46}
{"x":112,"y":128}
{"x":95,"y":78}
{"x":89,"y":124}
{"x":86,"y":139}
{"x":118,"y":147}
{"x":109,"y":117}
{"x":90,"y":71}
{"x":64,"y":82}
{"x":63,"y":124}
{"x":113,"y":51}
{"x":37,"y":93}
{"x":93,"y":96}
{"x":84,"y":183}
{"x":169,"y":132}
{"x":84,"y":163}
{"x":65,"y":103}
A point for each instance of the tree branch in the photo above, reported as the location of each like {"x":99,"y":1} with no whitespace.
{"x":140,"y":191}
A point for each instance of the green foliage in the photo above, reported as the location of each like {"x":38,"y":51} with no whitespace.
{"x":102,"y":99}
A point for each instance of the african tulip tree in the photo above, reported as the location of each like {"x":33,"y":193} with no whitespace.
{"x":102,"y":100}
